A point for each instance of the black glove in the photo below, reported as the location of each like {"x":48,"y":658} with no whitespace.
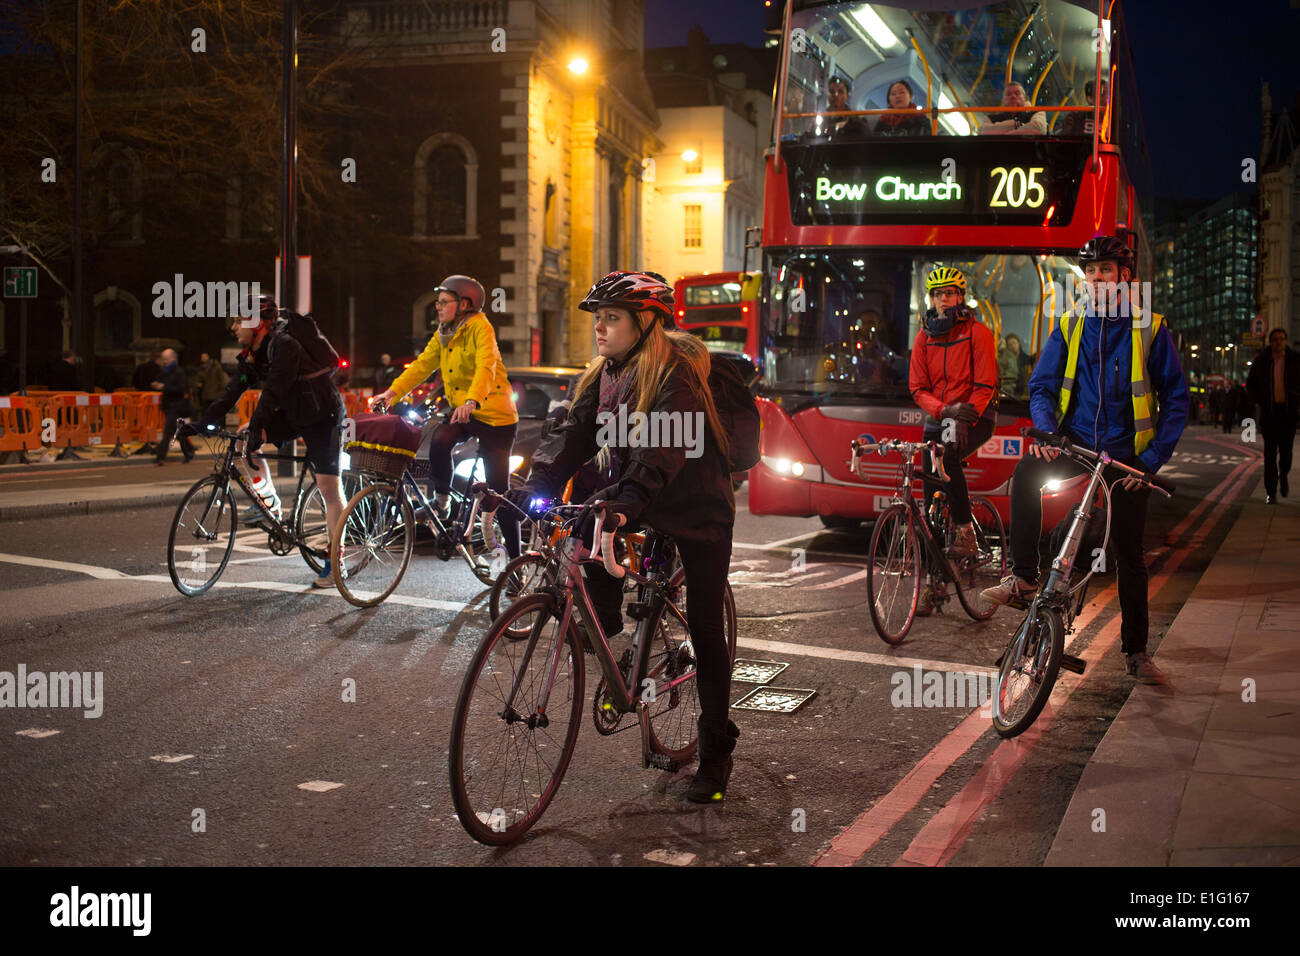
{"x":962,"y":412}
{"x":524,"y":499}
{"x":186,"y":429}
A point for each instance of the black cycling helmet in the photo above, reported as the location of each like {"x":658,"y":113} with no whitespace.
{"x":263,"y":306}
{"x":1109,"y":247}
{"x":463,"y":287}
{"x":635,"y":291}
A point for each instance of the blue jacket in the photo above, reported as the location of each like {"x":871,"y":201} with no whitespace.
{"x":1106,"y":423}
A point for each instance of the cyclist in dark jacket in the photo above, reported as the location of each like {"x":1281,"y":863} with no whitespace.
{"x":682,"y":489}
{"x":295,"y":403}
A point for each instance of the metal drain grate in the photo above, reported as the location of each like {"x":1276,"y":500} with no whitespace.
{"x":756,"y":672}
{"x":777,"y":700}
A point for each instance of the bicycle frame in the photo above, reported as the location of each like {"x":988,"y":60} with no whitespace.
{"x":226,"y":466}
{"x":624,"y":694}
{"x":904,"y":493}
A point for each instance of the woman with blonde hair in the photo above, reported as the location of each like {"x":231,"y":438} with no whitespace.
{"x":680,"y":488}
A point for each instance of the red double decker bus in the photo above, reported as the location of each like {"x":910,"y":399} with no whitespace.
{"x":860,"y":206}
{"x":721,"y":308}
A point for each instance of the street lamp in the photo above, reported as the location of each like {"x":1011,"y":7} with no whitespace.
{"x":578,"y":65}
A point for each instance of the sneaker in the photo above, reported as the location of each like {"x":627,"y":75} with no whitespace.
{"x":1011,"y":588}
{"x":1144,"y":669}
{"x":253,"y":516}
{"x":964,"y":545}
{"x":925,"y":603}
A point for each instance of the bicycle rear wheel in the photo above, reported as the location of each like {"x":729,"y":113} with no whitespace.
{"x":1029,"y":668}
{"x":670,"y":678}
{"x":376,"y":535}
{"x":202,"y":535}
{"x":506,"y":764}
{"x":521,"y":576}
{"x":894,"y":573}
{"x":311,"y":525}
{"x":989,"y":565}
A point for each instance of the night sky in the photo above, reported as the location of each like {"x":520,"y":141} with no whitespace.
{"x":1199,"y":64}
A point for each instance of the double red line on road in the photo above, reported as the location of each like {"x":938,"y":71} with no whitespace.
{"x":945,"y":833}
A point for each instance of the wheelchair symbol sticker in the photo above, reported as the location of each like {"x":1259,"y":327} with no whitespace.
{"x":1001,"y":448}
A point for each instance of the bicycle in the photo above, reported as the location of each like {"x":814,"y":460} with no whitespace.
{"x":207,"y":519}
{"x":377,"y":530}
{"x":1031,"y":662}
{"x":896,"y":560}
{"x":519,"y":708}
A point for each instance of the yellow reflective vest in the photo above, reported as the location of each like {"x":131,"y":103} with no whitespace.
{"x":471,"y":367}
{"x":1144,"y":403}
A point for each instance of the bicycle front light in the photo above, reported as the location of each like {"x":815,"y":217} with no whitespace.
{"x":1053,"y":484}
{"x":516,"y":462}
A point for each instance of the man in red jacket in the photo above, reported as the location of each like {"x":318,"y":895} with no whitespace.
{"x":954,"y":377}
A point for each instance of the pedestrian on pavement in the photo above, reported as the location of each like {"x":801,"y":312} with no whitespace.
{"x":385,"y":373}
{"x":66,"y":374}
{"x":1235,"y":402}
{"x":175,"y":403}
{"x":1216,"y":404}
{"x":1274,"y":385}
{"x":212,"y":379}
{"x":145,"y":373}
{"x":646,"y":364}
{"x":1103,"y":400}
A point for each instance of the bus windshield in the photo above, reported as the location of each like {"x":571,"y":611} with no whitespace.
{"x":842,"y":323}
{"x":865,"y":48}
{"x":722,"y":293}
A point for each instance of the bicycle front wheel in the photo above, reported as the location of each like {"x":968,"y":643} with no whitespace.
{"x":1029,"y":668}
{"x":508,"y":755}
{"x":521,"y":576}
{"x":988,"y":566}
{"x":376,"y":536}
{"x":202,"y":535}
{"x":894,"y":573}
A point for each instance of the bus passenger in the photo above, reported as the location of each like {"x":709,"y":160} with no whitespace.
{"x":1088,"y":388}
{"x":899,"y":124}
{"x":954,"y":378}
{"x":1020,"y":122}
{"x":1080,"y":124}
{"x":841,"y":128}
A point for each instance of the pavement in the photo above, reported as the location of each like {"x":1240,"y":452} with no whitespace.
{"x":1201,"y":771}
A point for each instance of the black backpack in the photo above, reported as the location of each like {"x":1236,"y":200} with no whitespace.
{"x":319,"y":355}
{"x":737,"y":413}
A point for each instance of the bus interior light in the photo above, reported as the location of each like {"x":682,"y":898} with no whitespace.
{"x":870,"y":21}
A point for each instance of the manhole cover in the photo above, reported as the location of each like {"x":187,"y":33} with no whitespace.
{"x":1280,"y":615}
{"x":756,"y":672}
{"x":778,"y":700}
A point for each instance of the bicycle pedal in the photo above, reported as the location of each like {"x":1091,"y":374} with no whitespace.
{"x":1020,"y":604}
{"x":661,"y":762}
{"x":1073,"y":664}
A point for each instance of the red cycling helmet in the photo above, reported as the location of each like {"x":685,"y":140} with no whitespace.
{"x":634,"y":291}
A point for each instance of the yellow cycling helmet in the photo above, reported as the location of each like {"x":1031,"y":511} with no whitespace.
{"x":941,"y":276}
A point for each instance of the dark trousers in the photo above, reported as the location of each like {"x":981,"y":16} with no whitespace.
{"x":1278,"y":426}
{"x":494,"y":446}
{"x":169,"y":432}
{"x":953,"y":455}
{"x":707,"y":564}
{"x":1127,"y":521}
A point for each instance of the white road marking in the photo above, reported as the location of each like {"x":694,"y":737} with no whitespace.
{"x":671,"y":858}
{"x":744,"y":545}
{"x":36,"y":733}
{"x":172,"y":758}
{"x":319,"y":786}
{"x":106,"y":574}
{"x":860,"y":657}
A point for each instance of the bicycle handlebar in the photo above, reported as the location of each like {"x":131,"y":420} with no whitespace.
{"x":605,"y":542}
{"x":1163,"y":485}
{"x":906,"y":448}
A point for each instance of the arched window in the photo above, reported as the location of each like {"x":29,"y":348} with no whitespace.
{"x":116,"y":193}
{"x":117,"y":320}
{"x":446,"y":186}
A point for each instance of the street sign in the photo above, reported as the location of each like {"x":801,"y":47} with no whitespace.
{"x":1257,"y":326}
{"x":20,"y":282}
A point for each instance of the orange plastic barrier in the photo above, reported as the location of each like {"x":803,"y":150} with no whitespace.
{"x":356,"y":401}
{"x":71,"y":418}
{"x":20,"y":423}
{"x":247,"y":404}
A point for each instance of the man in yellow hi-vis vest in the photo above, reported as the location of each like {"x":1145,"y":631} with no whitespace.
{"x":1113,"y":383}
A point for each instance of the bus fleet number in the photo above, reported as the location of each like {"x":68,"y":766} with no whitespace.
{"x":1016,"y":186}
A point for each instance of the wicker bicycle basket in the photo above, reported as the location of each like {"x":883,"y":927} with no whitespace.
{"x":385,"y":463}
